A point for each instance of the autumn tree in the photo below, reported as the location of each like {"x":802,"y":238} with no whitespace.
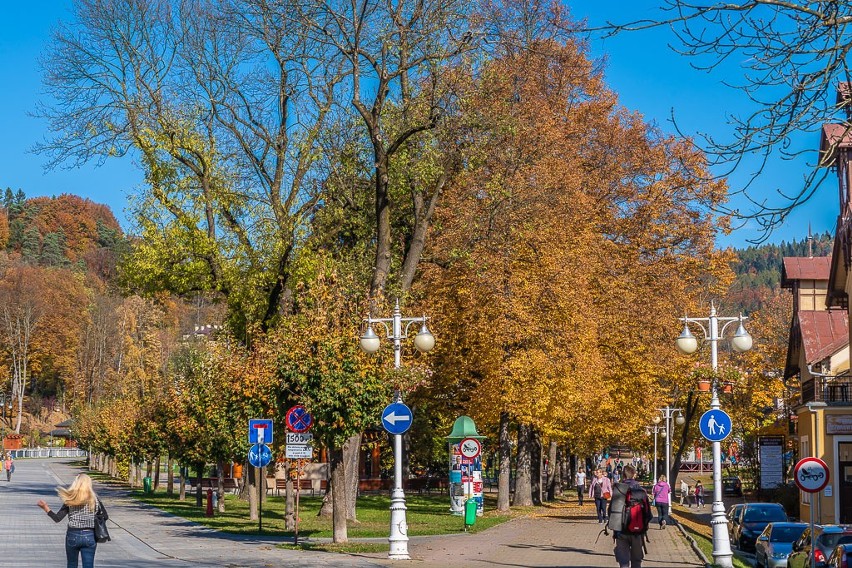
{"x":567,"y":248}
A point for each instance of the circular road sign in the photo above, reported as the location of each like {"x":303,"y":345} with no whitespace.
{"x":260,"y":455}
{"x":299,"y":419}
{"x":470,"y":448}
{"x":811,"y":475}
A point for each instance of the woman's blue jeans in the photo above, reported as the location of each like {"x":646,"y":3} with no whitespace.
{"x":80,"y":542}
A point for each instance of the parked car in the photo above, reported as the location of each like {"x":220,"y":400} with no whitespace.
{"x":753,"y":519}
{"x":732,"y":486}
{"x":826,"y":538}
{"x":734,"y":521}
{"x":841,"y":557}
{"x":775,"y":544}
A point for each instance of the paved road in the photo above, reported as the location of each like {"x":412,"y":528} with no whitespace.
{"x":144,"y":537}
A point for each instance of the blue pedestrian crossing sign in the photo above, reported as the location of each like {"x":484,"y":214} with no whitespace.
{"x":396,"y":418}
{"x":715,"y":425}
{"x":259,"y":455}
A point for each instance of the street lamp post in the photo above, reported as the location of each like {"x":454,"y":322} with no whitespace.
{"x":687,"y":343}
{"x":656,"y":429}
{"x":668,"y":414}
{"x":370,"y":342}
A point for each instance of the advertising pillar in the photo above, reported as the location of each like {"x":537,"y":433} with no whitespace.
{"x":465,"y":465}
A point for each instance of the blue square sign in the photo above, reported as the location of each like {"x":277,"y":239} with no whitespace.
{"x":257,"y":425}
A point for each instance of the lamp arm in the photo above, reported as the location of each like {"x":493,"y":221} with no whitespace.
{"x":384,"y":322}
{"x":410,"y":322}
{"x":700,"y":323}
{"x":728,"y":321}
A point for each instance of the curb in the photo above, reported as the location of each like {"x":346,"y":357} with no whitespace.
{"x":692,"y":543}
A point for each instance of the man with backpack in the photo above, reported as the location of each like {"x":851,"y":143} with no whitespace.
{"x":629,"y":517}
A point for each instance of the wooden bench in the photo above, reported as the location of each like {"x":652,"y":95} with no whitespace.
{"x":304,"y":485}
{"x":229,"y":483}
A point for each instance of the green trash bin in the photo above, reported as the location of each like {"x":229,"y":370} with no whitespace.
{"x":146,"y":485}
{"x":469,"y":513}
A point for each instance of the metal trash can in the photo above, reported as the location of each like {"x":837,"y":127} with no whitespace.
{"x":469,"y":513}
{"x":146,"y":485}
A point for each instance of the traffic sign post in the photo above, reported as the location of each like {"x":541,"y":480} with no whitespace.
{"x":715,"y":425}
{"x":811,"y":475}
{"x":396,"y":418}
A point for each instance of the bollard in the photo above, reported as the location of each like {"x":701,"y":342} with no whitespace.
{"x":209,"y":502}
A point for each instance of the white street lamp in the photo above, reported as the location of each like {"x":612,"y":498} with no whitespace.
{"x":687,"y":343}
{"x":370,"y":342}
{"x":656,"y":429}
{"x":668,"y":414}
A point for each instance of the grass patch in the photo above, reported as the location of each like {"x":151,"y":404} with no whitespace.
{"x":706,"y":545}
{"x":348,"y":548}
{"x":426,"y":515}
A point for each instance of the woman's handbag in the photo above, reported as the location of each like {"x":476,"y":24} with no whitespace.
{"x":607,"y":495}
{"x":101,"y":516}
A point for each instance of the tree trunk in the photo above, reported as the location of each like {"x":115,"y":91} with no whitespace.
{"x":523,"y":473}
{"x":156,"y":473}
{"x":536,"y":467}
{"x":182,"y":486}
{"x":337,"y":465}
{"x":170,"y":476}
{"x":289,"y":501}
{"x":503,"y":480}
{"x":553,"y":483}
{"x":251,"y":489}
{"x":351,"y":457}
{"x":220,"y":486}
{"x":199,"y":470}
{"x":690,"y":410}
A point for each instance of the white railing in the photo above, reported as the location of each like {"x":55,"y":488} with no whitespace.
{"x":48,"y":453}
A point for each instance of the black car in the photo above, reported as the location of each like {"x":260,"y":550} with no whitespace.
{"x":732,"y":486}
{"x":827,"y":538}
{"x":753,"y":519}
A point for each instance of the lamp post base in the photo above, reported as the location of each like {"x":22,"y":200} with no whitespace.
{"x":398,"y":538}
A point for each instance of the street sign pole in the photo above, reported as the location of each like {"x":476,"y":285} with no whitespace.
{"x":811,"y":476}
{"x":260,"y":480}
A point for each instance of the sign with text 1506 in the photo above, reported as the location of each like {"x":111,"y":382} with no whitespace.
{"x":299,"y":439}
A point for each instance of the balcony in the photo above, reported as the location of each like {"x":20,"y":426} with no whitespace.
{"x":834,"y":391}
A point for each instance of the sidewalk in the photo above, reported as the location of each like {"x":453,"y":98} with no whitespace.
{"x":566,"y":536}
{"x":144,"y":537}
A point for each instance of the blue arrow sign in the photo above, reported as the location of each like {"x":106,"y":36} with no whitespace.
{"x":259,"y":455}
{"x":715,"y":425}
{"x":257,"y":424}
{"x":396,"y":418}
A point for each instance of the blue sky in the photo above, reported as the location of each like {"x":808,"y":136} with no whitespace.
{"x":648,"y":76}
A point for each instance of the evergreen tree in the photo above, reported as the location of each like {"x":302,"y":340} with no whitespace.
{"x":53,"y":250}
{"x":31,"y":245}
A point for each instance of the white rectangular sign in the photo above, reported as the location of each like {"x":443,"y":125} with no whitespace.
{"x":299,"y":451}
{"x":299,"y":439}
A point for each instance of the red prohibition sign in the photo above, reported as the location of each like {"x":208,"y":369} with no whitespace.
{"x":299,"y":419}
{"x":811,"y":475}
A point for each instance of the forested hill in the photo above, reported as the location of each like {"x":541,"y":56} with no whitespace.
{"x":759,"y":268}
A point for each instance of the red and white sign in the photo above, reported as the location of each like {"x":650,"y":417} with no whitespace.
{"x":811,"y":475}
{"x":470,"y":448}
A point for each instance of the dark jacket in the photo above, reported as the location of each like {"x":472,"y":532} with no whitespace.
{"x":616,"y":504}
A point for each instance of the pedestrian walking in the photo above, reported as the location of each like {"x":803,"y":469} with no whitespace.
{"x":699,"y":495}
{"x":580,"y":482}
{"x":684,"y":492}
{"x":80,"y":504}
{"x":629,"y":515}
{"x":662,"y":494}
{"x":9,"y":466}
{"x":601,"y":490}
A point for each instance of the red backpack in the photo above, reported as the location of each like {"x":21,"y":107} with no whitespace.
{"x":637,"y":514}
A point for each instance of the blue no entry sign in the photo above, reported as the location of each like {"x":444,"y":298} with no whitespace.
{"x":260,"y":455}
{"x":299,"y":419}
{"x":396,"y":418}
{"x":256,"y":426}
{"x":715,"y":425}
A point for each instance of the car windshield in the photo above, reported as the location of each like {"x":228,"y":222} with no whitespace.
{"x":832,"y":540}
{"x":786,"y":534}
{"x":764,"y":515}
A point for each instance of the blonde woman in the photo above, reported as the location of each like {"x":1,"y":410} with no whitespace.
{"x":79,"y":504}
